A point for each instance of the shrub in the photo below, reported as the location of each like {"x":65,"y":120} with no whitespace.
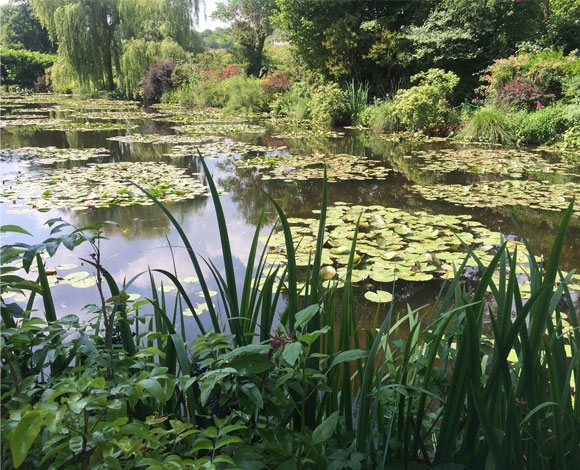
{"x":229,"y":71}
{"x":293,"y":103}
{"x":195,"y":81}
{"x":22,"y":67}
{"x":157,"y":80}
{"x":329,"y":106}
{"x":526,"y":79}
{"x":571,"y":140}
{"x":43,"y":84}
{"x":274,"y":84}
{"x":488,"y":125}
{"x":541,"y":126}
{"x":426,"y":106}
{"x":241,"y":94}
{"x":571,"y":89}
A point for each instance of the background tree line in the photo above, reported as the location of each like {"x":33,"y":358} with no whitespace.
{"x":396,"y":65}
{"x":109,"y":44}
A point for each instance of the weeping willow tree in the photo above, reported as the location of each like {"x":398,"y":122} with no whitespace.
{"x":94,"y":35}
{"x":159,"y":30}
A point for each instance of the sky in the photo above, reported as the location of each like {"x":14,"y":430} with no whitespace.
{"x":208,"y":23}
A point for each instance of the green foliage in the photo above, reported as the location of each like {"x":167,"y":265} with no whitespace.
{"x":571,"y":138}
{"x":194,"y":84}
{"x":329,"y":106}
{"x":571,"y":88}
{"x":21,"y":30}
{"x":489,"y":125}
{"x":542,"y":126}
{"x":241,"y":94}
{"x":23,"y":67}
{"x":425,"y":106}
{"x":381,"y":116}
{"x":295,"y":102}
{"x":425,"y":388}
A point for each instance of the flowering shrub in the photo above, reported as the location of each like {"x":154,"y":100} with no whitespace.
{"x":276,"y":82}
{"x":229,"y":71}
{"x":528,"y":79}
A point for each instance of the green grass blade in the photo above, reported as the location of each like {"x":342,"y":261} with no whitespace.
{"x":225,"y":242}
{"x":191,"y":253}
{"x":291,"y":271}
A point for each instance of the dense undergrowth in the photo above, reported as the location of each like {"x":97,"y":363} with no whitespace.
{"x":309,"y":389}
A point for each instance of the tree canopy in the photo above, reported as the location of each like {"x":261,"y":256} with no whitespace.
{"x":21,"y":30}
{"x":93,"y":35}
{"x":110,"y":44}
{"x":251,"y":25}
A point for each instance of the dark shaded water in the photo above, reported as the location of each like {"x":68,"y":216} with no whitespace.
{"x":144,"y":234}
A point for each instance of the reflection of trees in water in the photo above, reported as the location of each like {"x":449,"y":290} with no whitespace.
{"x":89,"y":139}
{"x":246,"y":190}
{"x":25,"y":136}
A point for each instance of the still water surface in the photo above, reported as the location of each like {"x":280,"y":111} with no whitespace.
{"x":144,"y":234}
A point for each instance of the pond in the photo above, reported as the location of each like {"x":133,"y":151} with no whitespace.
{"x":67,"y":158}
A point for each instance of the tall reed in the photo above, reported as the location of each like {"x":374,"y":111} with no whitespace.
{"x":448,"y":392}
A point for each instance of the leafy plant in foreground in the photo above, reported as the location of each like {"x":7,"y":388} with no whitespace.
{"x":423,"y":391}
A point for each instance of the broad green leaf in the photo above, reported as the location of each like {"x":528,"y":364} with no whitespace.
{"x":154,"y":388}
{"x":254,"y":394}
{"x":305,"y":315}
{"x":348,"y":356}
{"x":325,"y":430}
{"x":224,"y":441}
{"x":252,"y":364}
{"x":14,"y":228}
{"x":211,"y":379}
{"x":24,"y":435}
{"x":292,"y":352}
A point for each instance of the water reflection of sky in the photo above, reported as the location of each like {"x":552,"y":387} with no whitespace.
{"x":144,"y":238}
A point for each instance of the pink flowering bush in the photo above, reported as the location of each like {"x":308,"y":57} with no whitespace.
{"x":528,"y":81}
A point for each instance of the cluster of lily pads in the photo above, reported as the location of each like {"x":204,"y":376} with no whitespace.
{"x":219,"y":128}
{"x":513,"y":163}
{"x":69,"y":113}
{"x":102,"y":185}
{"x":392,"y":245}
{"x":33,"y":156}
{"x":539,"y":195}
{"x":289,"y":167}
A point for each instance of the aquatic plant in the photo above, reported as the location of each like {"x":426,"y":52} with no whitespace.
{"x":130,"y":390}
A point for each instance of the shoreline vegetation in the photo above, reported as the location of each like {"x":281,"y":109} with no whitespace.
{"x":128,"y":389}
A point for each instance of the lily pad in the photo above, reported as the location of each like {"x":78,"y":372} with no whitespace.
{"x":379,"y":296}
{"x":339,"y":167}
